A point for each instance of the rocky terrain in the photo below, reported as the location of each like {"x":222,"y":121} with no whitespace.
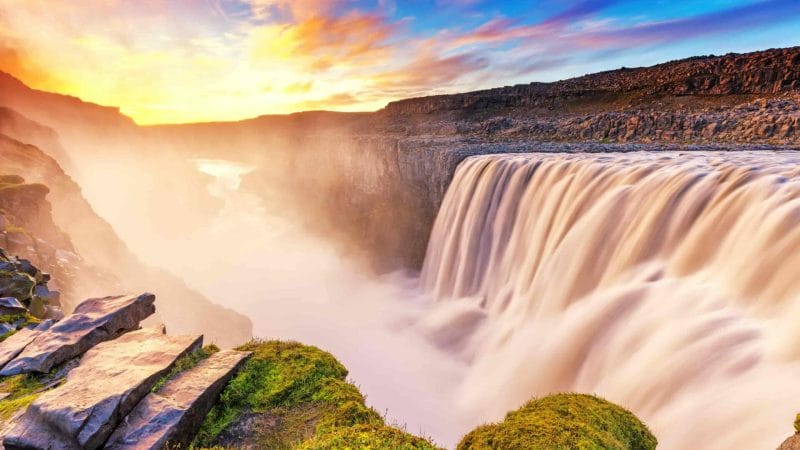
{"x":736,"y":98}
{"x":95,"y":379}
{"x":371,"y":182}
{"x":48,"y":221}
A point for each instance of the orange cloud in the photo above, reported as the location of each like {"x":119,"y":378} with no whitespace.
{"x":428,"y":71}
{"x":299,"y":88}
{"x":331,"y":102}
{"x":324,"y":42}
{"x":15,"y":62}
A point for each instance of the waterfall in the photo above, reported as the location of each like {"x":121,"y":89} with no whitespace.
{"x":666,"y":282}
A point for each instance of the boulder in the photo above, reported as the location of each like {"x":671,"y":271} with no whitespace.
{"x":16,"y":284}
{"x":50,"y":297}
{"x":38,"y":307}
{"x":94,"y":321}
{"x":6,"y":328}
{"x":13,"y":346}
{"x":170,"y":417}
{"x":110,"y":380}
{"x":10,"y":305}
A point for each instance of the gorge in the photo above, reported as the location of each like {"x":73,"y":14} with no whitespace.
{"x":632,"y":234}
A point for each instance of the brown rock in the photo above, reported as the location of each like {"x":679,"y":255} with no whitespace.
{"x":94,"y":321}
{"x":110,"y":380}
{"x":174,"y":413}
{"x":792,"y":443}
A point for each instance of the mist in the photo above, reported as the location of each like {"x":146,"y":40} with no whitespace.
{"x":256,"y":257}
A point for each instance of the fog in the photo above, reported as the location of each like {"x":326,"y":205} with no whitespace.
{"x":256,"y":258}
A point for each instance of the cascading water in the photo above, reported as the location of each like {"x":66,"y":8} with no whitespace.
{"x":666,"y":282}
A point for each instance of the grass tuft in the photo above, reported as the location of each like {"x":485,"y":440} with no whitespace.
{"x":23,"y":390}
{"x":185,"y":363}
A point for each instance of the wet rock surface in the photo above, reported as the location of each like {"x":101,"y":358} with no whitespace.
{"x":94,"y":321}
{"x":110,"y":380}
{"x":171,"y":417}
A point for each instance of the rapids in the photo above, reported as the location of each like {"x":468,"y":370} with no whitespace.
{"x":668,"y":283}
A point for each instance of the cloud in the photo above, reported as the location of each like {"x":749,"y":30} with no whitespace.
{"x":17,"y":63}
{"x":190,"y":60}
{"x":731,"y":20}
{"x":428,"y":71}
{"x":330,"y":102}
{"x":324,"y":42}
{"x":299,"y":87}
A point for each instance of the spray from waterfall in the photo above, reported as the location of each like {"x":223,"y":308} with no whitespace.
{"x":665,"y":282}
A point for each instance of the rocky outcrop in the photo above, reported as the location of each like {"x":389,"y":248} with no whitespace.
{"x":23,"y":288}
{"x":110,"y":380}
{"x":16,"y":343}
{"x":10,"y":305}
{"x":170,"y":417}
{"x":94,"y":321}
{"x":766,"y":72}
{"x":93,"y":259}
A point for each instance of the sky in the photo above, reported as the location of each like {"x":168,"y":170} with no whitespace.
{"x":178,"y":61}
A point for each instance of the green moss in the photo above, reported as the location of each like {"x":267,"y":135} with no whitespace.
{"x":301,"y":391}
{"x":12,"y":318}
{"x":26,"y":319}
{"x":797,"y":423}
{"x":564,"y":421}
{"x":23,"y":390}
{"x":185,"y":363}
{"x":365,"y":437}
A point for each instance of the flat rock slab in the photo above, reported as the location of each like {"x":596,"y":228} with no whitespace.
{"x":10,"y":305}
{"x":110,"y":380}
{"x":94,"y":321}
{"x":171,"y":417}
{"x":16,"y":343}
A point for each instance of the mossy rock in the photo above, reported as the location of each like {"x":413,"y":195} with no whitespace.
{"x":366,"y":437}
{"x":22,"y":389}
{"x":16,"y":284}
{"x":564,"y":421}
{"x":290,"y":395}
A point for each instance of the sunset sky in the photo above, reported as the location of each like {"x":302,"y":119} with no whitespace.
{"x":166,"y":61}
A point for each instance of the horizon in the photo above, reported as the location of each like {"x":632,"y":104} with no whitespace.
{"x":242,"y":59}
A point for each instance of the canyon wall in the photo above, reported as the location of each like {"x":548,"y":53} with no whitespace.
{"x":373,"y":182}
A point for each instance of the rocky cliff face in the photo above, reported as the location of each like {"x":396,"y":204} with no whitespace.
{"x":768,"y":72}
{"x":82,"y":251}
{"x":374,"y":181}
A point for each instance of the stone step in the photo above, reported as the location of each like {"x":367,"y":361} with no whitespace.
{"x":110,"y":380}
{"x":94,"y":321}
{"x":171,"y":417}
{"x":16,"y":343}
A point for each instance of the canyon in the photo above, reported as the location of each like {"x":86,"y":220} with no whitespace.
{"x":489,"y":247}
